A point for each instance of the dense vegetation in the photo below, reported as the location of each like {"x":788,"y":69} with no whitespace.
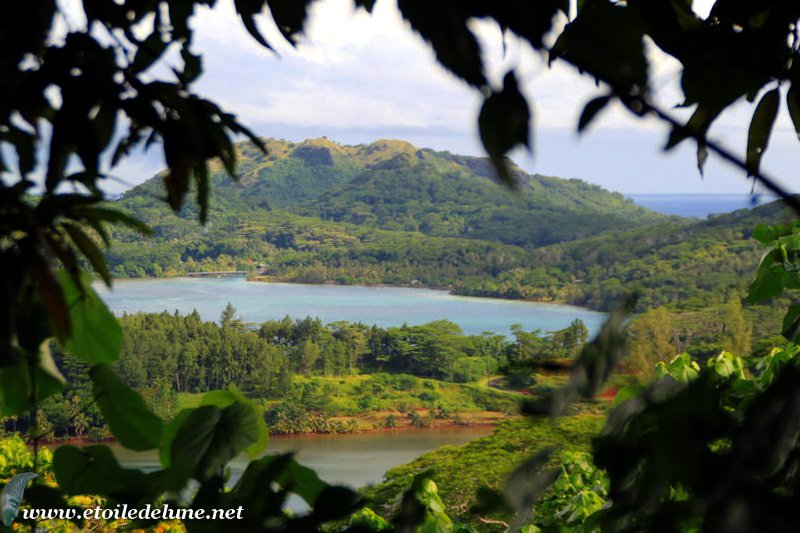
{"x":295,"y":237}
{"x":308,"y":375}
{"x":277,"y":225}
{"x":288,"y":247}
{"x":395,"y":186}
{"x":682,"y":266}
{"x":470,"y":477}
{"x":391,"y":214}
{"x":464,"y":473}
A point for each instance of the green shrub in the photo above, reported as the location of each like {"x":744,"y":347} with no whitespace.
{"x":429,"y":397}
{"x":467,"y":369}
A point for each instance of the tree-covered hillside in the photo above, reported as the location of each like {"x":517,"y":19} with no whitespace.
{"x":304,"y":249}
{"x":683,"y":266}
{"x":386,"y":212}
{"x":390,"y":213}
{"x":394,"y":185}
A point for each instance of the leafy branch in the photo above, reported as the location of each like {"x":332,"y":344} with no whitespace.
{"x":706,"y":144}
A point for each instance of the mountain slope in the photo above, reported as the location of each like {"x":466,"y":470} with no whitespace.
{"x":684,"y":266}
{"x":390,"y":213}
{"x":294,"y":248}
{"x":396,"y":186}
{"x":447,"y":196}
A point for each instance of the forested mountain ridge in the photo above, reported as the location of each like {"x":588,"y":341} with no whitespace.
{"x":304,"y":249}
{"x":389,"y":213}
{"x":396,"y":186}
{"x":683,"y":266}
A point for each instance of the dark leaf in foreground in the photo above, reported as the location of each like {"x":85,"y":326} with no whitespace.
{"x":504,"y":123}
{"x":132,"y":422}
{"x":760,"y":130}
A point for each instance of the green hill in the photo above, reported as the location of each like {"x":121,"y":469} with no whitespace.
{"x":682,"y":266}
{"x":303,"y":249}
{"x":441,"y":194}
{"x":391,"y":213}
{"x":395,"y":186}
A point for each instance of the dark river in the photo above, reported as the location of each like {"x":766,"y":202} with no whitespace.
{"x":355,"y":460}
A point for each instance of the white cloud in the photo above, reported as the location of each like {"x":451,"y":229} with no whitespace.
{"x":349,"y":70}
{"x":363,"y":76}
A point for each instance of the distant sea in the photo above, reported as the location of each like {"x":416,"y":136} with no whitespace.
{"x":698,"y":205}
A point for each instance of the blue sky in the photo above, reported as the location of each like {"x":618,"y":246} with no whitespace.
{"x":356,"y":78}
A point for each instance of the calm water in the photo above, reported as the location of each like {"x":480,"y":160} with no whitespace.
{"x":698,"y":205}
{"x":385,"y":306}
{"x":355,"y":460}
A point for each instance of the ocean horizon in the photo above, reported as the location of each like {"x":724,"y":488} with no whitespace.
{"x":699,"y":205}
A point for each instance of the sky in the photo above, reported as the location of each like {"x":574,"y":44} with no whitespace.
{"x":356,"y":78}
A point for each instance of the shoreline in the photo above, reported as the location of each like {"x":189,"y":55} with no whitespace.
{"x":490,"y":420}
{"x":447,"y":289}
{"x":444,"y":426}
{"x":273,"y":279}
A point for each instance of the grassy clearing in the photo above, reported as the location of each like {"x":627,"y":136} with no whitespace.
{"x":379,"y":401}
{"x":353,"y":395}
